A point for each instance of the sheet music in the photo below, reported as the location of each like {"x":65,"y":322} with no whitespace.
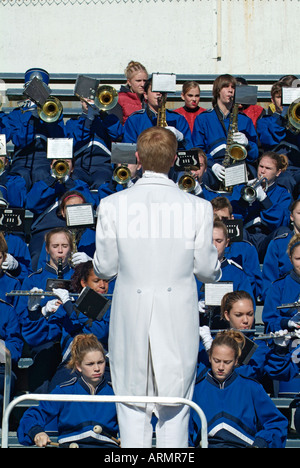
{"x":214,"y":292}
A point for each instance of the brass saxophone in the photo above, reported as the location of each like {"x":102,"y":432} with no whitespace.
{"x":234,"y":152}
{"x":161,"y":113}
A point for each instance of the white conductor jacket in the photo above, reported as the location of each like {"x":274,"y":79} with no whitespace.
{"x":155,"y":238}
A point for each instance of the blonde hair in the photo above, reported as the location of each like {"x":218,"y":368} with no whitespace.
{"x":133,"y":68}
{"x":231,"y":338}
{"x":83,"y":344}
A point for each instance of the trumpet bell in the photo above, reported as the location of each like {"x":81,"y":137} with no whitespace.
{"x":122,"y":175}
{"x":60,"y":169}
{"x":237,"y":152}
{"x":293,"y":116}
{"x":187,"y":183}
{"x":51,"y":111}
{"x":106,"y":97}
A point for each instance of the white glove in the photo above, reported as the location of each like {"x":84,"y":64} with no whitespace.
{"x":201,"y":307}
{"x":280,"y":338}
{"x":177,"y":133}
{"x":62,"y":294}
{"x":10,"y":263}
{"x":80,"y":257}
{"x":219,"y":171}
{"x":206,"y":337}
{"x":240,"y":138}
{"x":34,"y":301}
{"x":198,"y":189}
{"x":261,"y":194}
{"x":50,"y":307}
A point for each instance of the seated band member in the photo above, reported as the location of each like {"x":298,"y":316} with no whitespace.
{"x":29,"y":133}
{"x":147,"y":118}
{"x":253,"y":422}
{"x":77,"y":422}
{"x":277,"y":261}
{"x":191,"y":97}
{"x":285,"y":290}
{"x":211,"y":131}
{"x":274,"y":135}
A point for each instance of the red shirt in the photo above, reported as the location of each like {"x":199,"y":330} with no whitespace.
{"x":190,"y":114}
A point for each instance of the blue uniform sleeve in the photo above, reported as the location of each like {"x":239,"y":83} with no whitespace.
{"x":273,"y":425}
{"x":10,"y":332}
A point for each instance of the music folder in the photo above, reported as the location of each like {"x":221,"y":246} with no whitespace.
{"x":37,"y":91}
{"x":92,"y":304}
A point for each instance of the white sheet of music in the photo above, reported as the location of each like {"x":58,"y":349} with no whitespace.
{"x":235,"y":175}
{"x":214,"y":292}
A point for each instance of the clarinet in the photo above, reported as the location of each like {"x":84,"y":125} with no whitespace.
{"x":60,"y":274}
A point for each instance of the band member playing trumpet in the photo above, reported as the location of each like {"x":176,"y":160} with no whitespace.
{"x":85,"y":425}
{"x":270,"y":209}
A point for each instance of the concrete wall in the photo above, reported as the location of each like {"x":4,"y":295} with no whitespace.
{"x":179,"y":36}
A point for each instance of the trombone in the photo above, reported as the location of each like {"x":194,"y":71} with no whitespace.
{"x":249,"y":192}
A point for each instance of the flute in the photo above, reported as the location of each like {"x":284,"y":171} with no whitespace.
{"x":272,"y":335}
{"x":43,"y":293}
{"x":293,"y":305}
{"x":36,"y":293}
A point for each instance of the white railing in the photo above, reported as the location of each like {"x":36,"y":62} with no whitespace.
{"x":105,"y":398}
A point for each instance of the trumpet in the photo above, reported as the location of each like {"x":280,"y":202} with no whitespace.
{"x":293,"y":117}
{"x":187,"y":181}
{"x":122,"y":174}
{"x":60,"y":169}
{"x":51,"y":111}
{"x":106,"y":97}
{"x":249,"y":192}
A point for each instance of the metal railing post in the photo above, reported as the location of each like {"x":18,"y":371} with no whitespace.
{"x":104,"y":398}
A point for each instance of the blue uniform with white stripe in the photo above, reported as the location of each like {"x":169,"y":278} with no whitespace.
{"x":76,"y":420}
{"x":209,"y":135}
{"x":255,"y":420}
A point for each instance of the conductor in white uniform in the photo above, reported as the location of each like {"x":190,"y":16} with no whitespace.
{"x":155,"y":238}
